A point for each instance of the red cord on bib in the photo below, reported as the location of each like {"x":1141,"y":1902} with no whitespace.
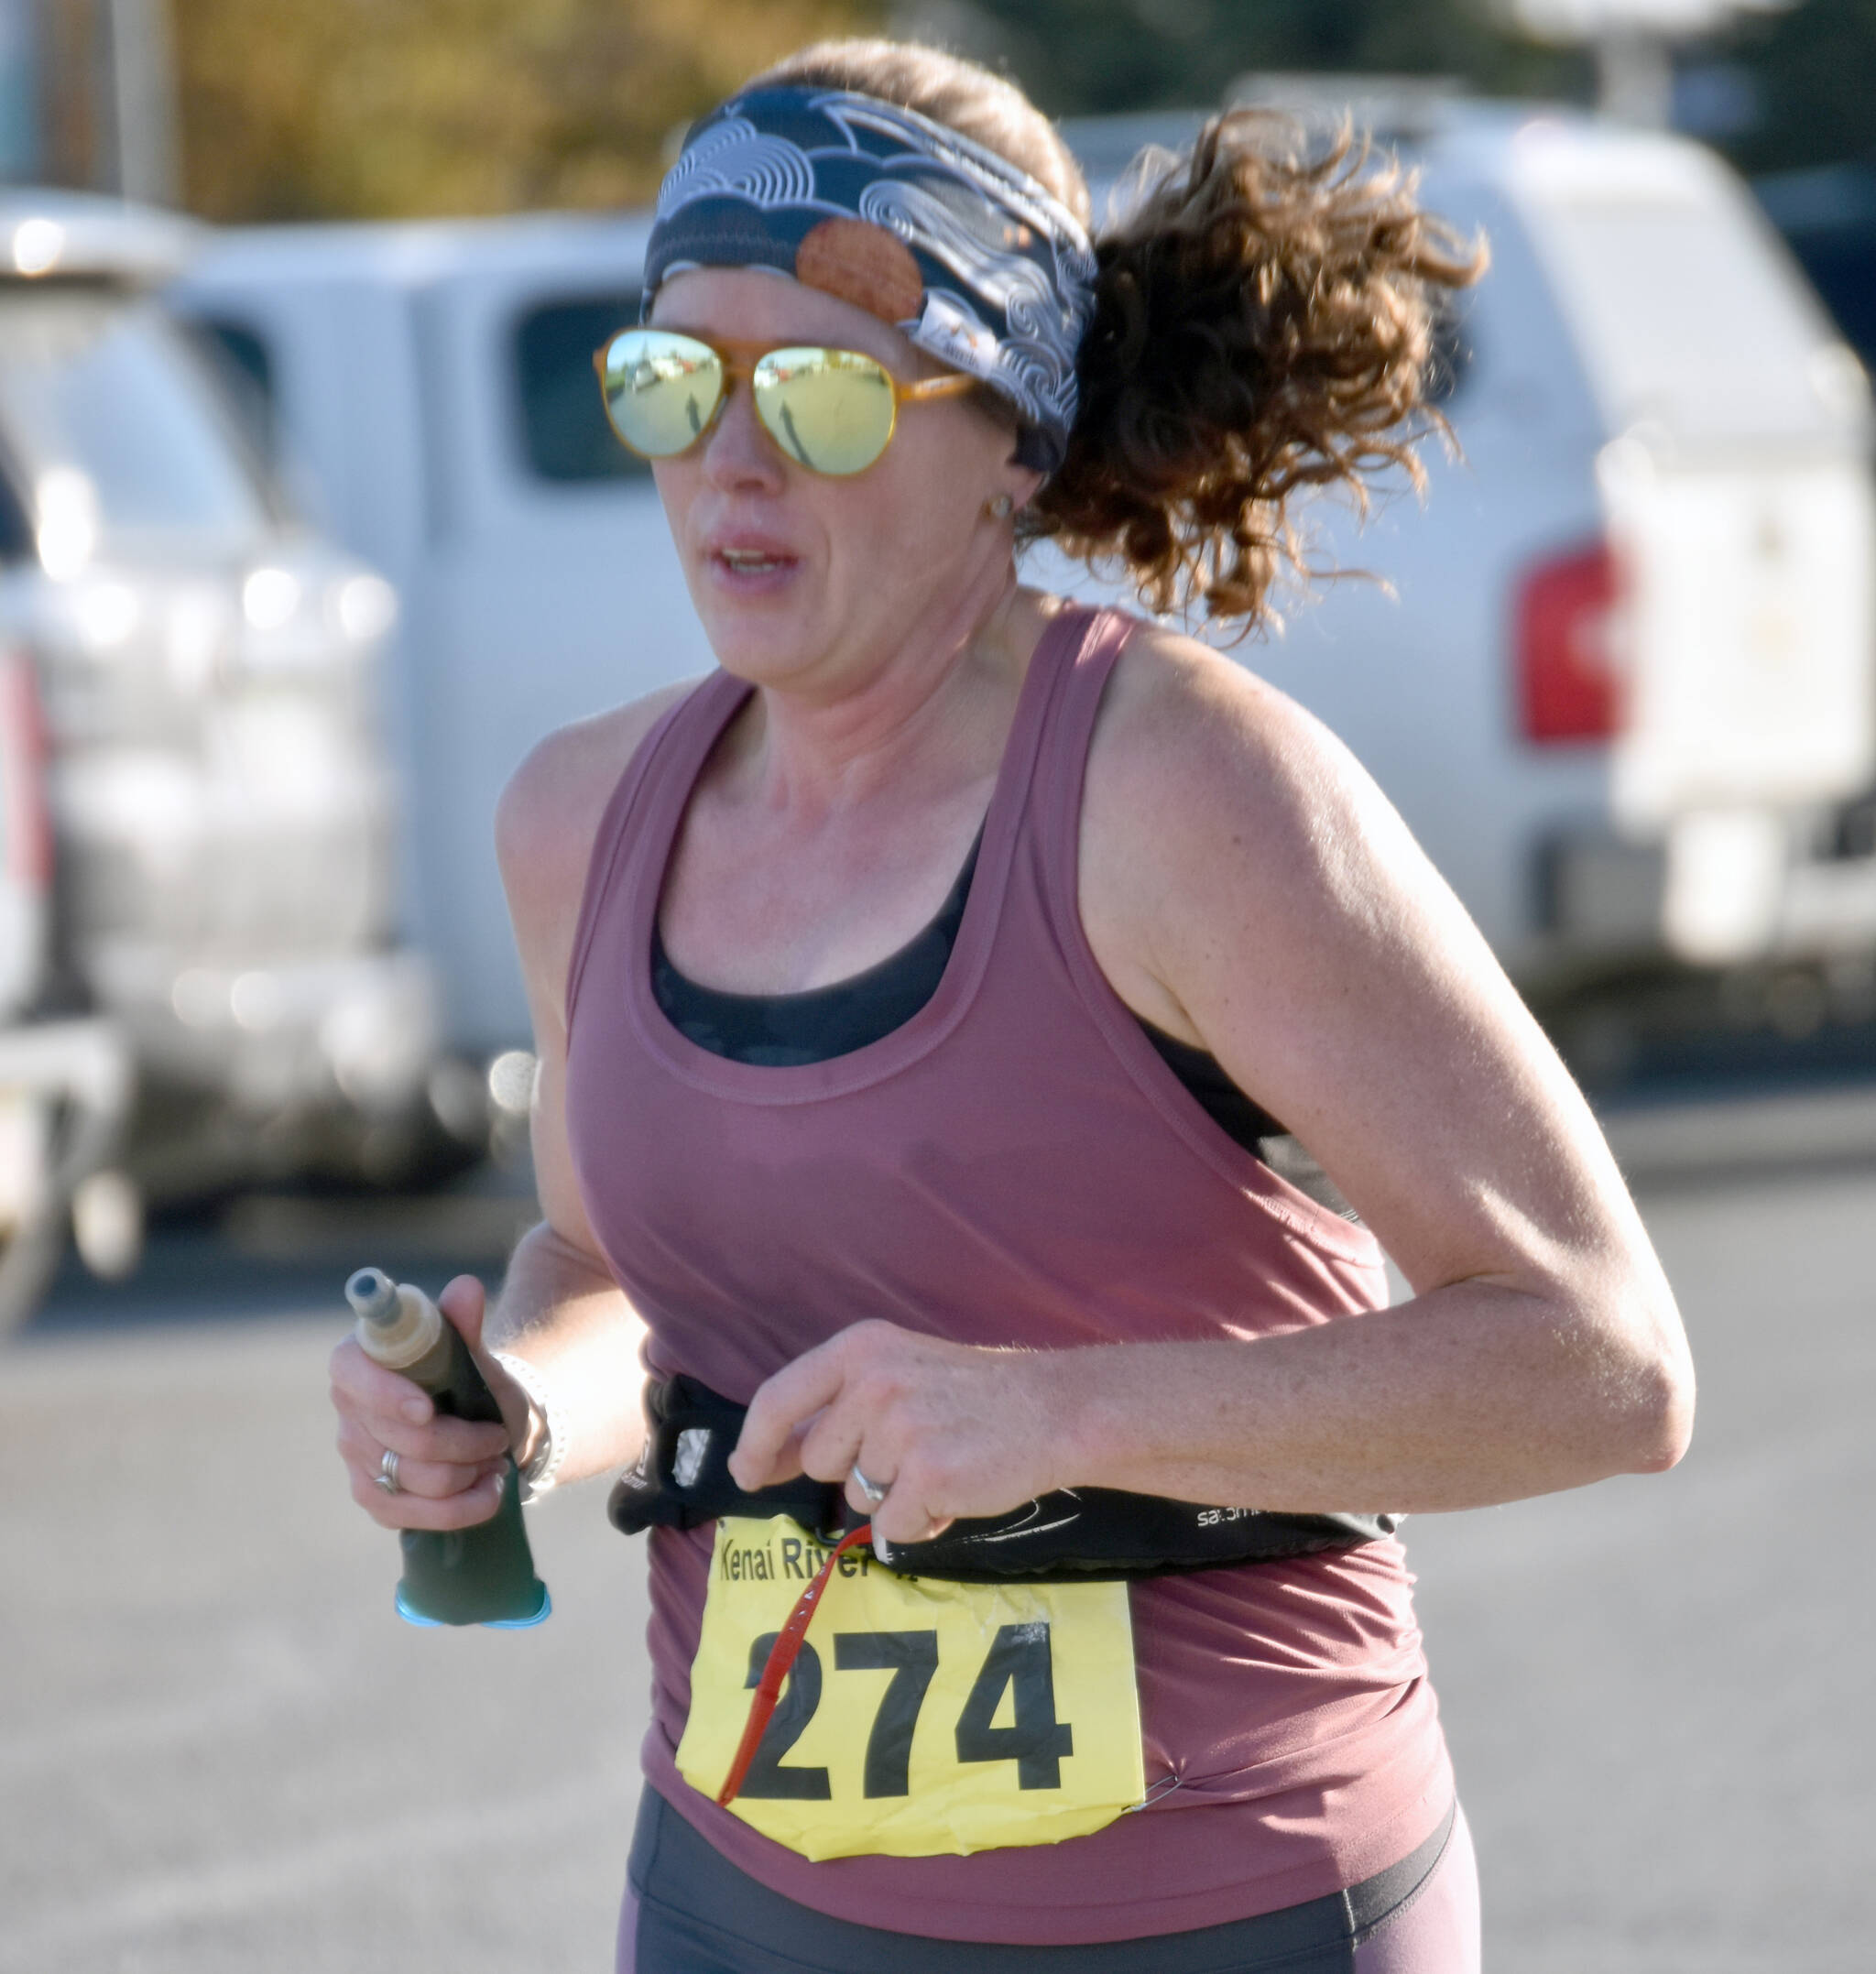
{"x":782,"y":1657}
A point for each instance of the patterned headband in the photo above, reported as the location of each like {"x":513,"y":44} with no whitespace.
{"x":913,"y":222}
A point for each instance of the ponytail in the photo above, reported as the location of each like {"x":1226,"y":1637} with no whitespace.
{"x":1263,"y":322}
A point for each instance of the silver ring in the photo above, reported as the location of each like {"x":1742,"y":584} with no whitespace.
{"x":874,"y":1492}
{"x":387,"y":1475}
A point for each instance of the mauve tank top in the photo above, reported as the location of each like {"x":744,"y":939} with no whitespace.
{"x":1015,"y":1164}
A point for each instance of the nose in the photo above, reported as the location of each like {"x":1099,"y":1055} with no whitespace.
{"x":738,"y":454}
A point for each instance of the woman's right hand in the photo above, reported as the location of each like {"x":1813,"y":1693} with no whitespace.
{"x":449,"y":1470}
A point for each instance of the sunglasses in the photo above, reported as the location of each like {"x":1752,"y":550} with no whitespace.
{"x":833,"y":411}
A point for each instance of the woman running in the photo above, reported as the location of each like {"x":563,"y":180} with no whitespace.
{"x":925,"y":1003}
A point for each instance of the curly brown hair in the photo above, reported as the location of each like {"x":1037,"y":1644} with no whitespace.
{"x":1264,"y":323}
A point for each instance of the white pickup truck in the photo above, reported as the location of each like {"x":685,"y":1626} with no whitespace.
{"x":1619,"y":674}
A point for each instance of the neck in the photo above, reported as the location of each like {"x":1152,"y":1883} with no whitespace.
{"x":915,"y":720}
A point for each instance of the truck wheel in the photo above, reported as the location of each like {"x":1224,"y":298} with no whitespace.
{"x":27,"y":1268}
{"x":32,"y":1214}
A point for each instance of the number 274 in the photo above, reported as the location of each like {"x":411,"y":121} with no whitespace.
{"x":1020,"y":1659}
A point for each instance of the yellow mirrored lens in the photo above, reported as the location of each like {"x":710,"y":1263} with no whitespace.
{"x":662,"y":390}
{"x":831,"y":411}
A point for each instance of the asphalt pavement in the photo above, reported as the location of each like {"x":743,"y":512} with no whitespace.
{"x":220,"y":1751}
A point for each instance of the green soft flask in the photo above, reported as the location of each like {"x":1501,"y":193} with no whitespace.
{"x":479,"y":1576}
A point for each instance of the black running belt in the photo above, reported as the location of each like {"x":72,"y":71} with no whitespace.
{"x":683,"y":1479}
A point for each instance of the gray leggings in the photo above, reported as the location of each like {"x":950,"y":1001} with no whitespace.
{"x":689,"y":1911}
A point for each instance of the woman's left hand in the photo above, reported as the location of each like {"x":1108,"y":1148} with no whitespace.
{"x":947,"y":1429}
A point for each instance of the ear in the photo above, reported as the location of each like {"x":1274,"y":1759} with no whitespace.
{"x":1022,"y":484}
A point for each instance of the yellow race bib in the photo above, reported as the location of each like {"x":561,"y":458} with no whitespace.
{"x":921,"y":1718}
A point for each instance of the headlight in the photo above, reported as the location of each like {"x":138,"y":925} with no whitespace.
{"x":270,"y":598}
{"x":364,"y":608}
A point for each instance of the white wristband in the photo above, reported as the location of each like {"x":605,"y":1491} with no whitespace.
{"x":544,"y":1466}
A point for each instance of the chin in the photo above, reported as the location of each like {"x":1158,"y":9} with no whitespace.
{"x":758,"y":644}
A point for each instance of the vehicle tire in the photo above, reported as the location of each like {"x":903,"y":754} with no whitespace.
{"x":62,"y":1137}
{"x":32,"y":1244}
{"x":31,"y":1259}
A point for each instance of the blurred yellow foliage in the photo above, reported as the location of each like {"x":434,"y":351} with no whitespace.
{"x":377,"y":108}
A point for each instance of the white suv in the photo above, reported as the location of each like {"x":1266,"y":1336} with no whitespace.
{"x":1617,"y":674}
{"x":205,"y":669}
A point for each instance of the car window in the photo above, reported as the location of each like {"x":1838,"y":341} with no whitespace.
{"x":1829,"y":219}
{"x":243,"y":363}
{"x":16,"y":540}
{"x":1449,"y":360}
{"x":564,"y":433}
{"x":1842,"y":267}
{"x":101,"y":400}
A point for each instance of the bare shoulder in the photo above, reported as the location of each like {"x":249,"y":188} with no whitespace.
{"x":548,"y":818}
{"x":1224,"y":825}
{"x":1198,"y":742}
{"x":549,"y":813}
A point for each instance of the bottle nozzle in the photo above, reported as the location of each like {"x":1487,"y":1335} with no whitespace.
{"x":396,"y":1324}
{"x":374,"y":1297}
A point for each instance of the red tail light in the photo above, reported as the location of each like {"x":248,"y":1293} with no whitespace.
{"x":1569,"y":687}
{"x":27,"y":845}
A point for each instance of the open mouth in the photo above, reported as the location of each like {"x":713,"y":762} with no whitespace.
{"x":753,"y":562}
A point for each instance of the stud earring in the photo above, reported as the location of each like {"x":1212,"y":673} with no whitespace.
{"x":998,"y":508}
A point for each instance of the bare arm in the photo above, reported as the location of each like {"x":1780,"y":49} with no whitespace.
{"x":560,"y":1311}
{"x":1329,"y":968}
{"x":1246,"y":887}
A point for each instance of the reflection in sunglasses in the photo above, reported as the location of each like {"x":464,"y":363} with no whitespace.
{"x":795,"y":438}
{"x":663,"y":391}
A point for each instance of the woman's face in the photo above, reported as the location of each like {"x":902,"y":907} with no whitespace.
{"x":798,"y":576}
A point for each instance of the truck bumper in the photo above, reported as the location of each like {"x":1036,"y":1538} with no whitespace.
{"x":1743,"y":892}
